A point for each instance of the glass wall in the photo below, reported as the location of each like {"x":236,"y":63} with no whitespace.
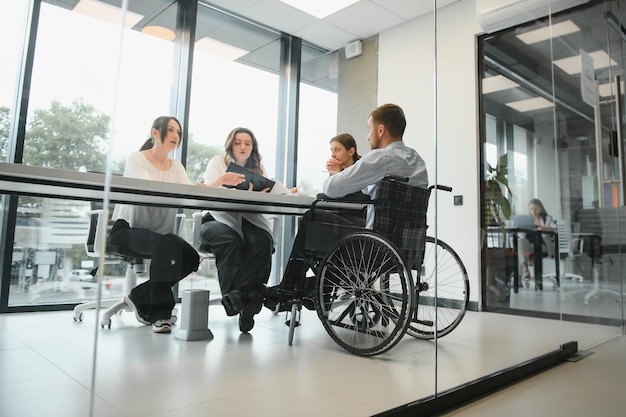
{"x":80,"y":111}
{"x":86,"y":102}
{"x":552,"y":95}
{"x":317,"y":122}
{"x":234,"y":84}
{"x":96,"y":95}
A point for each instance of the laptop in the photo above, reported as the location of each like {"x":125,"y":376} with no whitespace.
{"x":522,"y":221}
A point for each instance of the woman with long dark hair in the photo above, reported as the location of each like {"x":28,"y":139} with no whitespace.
{"x":148,"y":232}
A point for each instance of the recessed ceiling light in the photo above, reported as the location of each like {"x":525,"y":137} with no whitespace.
{"x":219,"y":49}
{"x":571,"y":65}
{"x":545,"y":33}
{"x":319,"y":8}
{"x":159,"y":32}
{"x":498,"y":83}
{"x":106,"y":12}
{"x":530,"y":104}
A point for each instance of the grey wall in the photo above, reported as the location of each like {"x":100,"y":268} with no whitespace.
{"x":358,"y":92}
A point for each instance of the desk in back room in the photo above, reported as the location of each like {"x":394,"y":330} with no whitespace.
{"x":512,"y":251}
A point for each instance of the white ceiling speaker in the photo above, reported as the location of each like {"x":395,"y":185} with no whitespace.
{"x":354,"y":49}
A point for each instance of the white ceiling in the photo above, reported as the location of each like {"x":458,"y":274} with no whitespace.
{"x":362,"y":20}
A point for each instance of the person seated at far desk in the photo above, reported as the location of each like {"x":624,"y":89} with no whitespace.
{"x":389,"y":156}
{"x":542,"y":221}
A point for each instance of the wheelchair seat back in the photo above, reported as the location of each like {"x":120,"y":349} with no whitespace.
{"x":400,"y":216}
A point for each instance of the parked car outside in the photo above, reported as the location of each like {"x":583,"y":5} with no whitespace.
{"x":82,"y":275}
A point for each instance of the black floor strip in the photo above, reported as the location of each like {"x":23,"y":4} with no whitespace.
{"x":461,"y":395}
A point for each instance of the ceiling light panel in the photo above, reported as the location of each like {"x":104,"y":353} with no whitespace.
{"x":319,"y":8}
{"x":498,"y":83}
{"x":548,"y":32}
{"x":219,"y":49}
{"x":530,"y":104}
{"x":608,"y":89}
{"x":571,"y":65}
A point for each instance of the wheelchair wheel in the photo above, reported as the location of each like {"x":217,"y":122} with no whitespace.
{"x":452,"y":292}
{"x":365,"y":294}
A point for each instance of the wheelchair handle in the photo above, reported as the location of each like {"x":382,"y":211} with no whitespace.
{"x":441,"y":187}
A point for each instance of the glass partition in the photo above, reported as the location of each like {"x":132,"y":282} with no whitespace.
{"x":551,"y":121}
{"x":549,"y":113}
{"x":234,"y":84}
{"x":317,"y":122}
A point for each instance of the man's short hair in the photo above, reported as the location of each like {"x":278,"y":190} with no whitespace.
{"x":392,"y":116}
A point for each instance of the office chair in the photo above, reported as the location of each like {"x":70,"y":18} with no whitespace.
{"x":99,"y":226}
{"x":569,"y":250}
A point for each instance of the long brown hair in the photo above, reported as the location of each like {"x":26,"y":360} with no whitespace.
{"x":254,"y":160}
{"x":542,"y":210}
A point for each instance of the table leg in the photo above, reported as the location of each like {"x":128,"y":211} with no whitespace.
{"x":538,"y":262}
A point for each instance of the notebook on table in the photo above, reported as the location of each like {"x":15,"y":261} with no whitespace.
{"x":259,"y":181}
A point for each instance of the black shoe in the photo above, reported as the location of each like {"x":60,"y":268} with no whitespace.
{"x":253,"y":305}
{"x":246,"y":321}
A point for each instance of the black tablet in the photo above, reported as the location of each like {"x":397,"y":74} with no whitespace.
{"x":259,"y":181}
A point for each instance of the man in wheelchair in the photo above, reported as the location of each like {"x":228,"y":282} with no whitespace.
{"x":389,"y":157}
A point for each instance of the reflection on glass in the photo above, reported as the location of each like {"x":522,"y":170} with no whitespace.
{"x":50,"y":264}
{"x":235,"y":83}
{"x":12,"y":34}
{"x":562,"y":150}
{"x":74,"y":85}
{"x":318,"y":117}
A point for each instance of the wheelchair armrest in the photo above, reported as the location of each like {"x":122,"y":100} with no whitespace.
{"x":350,"y":198}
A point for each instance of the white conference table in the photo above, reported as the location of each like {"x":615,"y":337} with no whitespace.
{"x":58,"y":183}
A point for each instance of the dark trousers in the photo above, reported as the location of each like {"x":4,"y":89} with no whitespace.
{"x":172,"y":259}
{"x":242,"y":264}
{"x":296,"y":266}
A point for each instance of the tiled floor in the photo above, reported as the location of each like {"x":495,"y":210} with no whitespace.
{"x":46,"y":369}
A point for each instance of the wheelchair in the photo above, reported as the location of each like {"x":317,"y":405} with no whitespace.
{"x":371,"y":287}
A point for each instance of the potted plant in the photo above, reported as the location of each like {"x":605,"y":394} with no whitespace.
{"x":497,"y":211}
{"x":497,"y":193}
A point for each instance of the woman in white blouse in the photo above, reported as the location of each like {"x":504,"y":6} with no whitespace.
{"x":242,"y":243}
{"x":148,"y":232}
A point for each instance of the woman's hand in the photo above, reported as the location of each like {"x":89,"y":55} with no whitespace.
{"x":333,"y":165}
{"x":232,"y":179}
{"x":251,"y":188}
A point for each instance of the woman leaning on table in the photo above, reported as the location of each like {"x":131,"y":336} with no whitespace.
{"x":242,"y":243}
{"x":148,"y":232}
